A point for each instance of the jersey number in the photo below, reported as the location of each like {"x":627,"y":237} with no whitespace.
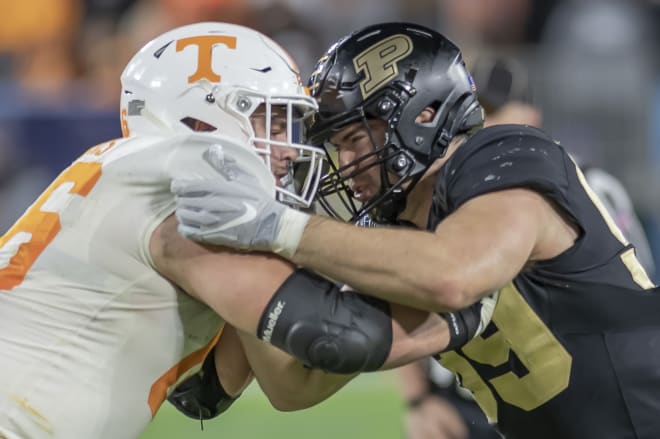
{"x":524,"y":333}
{"x":547,"y":362}
{"x":32,"y":233}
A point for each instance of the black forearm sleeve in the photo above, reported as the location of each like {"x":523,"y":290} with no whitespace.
{"x":340,"y":332}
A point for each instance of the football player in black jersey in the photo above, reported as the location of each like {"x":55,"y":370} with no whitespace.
{"x":435,"y":402}
{"x":573,"y":346}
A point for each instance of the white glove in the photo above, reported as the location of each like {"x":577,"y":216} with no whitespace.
{"x":234,"y":210}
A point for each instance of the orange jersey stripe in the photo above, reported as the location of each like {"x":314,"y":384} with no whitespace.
{"x":158,"y":391}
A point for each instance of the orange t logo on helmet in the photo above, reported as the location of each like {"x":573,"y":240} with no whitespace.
{"x":204,"y":48}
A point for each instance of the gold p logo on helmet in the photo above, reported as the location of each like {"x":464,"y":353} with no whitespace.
{"x":379,"y":62}
{"x":205,"y":45}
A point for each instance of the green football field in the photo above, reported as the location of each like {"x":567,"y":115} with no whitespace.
{"x":368,"y":407}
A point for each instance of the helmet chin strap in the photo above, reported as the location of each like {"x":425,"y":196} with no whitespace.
{"x":389,"y":209}
{"x":288,"y":185}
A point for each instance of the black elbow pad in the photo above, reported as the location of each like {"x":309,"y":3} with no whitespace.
{"x":337,"y":331}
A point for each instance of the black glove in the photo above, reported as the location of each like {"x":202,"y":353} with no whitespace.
{"x":469,"y":322}
{"x":201,"y":396}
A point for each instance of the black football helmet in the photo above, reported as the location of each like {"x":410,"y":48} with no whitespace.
{"x":392,"y":72}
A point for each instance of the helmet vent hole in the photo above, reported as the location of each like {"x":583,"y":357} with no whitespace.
{"x":197,"y":125}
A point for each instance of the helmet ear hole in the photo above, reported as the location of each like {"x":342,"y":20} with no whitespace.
{"x":430,"y":110}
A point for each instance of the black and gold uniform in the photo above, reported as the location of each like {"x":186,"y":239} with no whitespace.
{"x":573,"y":348}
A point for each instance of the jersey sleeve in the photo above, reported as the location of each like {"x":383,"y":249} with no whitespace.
{"x":183,"y":157}
{"x":515,"y":156}
{"x":507,"y":157}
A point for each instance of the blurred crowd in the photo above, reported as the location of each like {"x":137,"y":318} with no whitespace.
{"x":594,"y":67}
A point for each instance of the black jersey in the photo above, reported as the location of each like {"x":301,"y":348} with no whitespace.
{"x":573,"y":348}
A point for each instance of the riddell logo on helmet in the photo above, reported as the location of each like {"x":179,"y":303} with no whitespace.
{"x":205,"y":45}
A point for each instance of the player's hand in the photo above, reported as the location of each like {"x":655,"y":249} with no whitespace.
{"x":470,"y":322}
{"x":434,"y":418}
{"x":234,"y":210}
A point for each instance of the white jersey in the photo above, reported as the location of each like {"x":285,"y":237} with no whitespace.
{"x":92,"y":338}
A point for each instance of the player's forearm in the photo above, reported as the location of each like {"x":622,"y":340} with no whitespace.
{"x":285,"y":381}
{"x":413,"y":379}
{"x":415,"y":334}
{"x":291,"y":386}
{"x":390,"y":263}
{"x":231,"y":363}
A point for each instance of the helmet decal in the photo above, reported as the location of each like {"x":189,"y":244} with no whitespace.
{"x":379,"y":62}
{"x":205,"y":45}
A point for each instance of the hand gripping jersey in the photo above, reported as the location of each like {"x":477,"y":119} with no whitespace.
{"x":92,"y":338}
{"x":573,"y":348}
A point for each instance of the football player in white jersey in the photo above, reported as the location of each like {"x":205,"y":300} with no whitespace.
{"x":106,"y":311}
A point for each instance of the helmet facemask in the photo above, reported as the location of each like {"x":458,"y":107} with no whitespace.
{"x":297,"y":186}
{"x":398,"y":169}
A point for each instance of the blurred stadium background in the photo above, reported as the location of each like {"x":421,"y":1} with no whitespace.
{"x":369,"y":407}
{"x":593,"y":66}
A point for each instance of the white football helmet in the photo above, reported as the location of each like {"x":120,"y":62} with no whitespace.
{"x":211,"y":77}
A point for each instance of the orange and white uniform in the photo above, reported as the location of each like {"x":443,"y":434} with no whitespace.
{"x":92,"y":338}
